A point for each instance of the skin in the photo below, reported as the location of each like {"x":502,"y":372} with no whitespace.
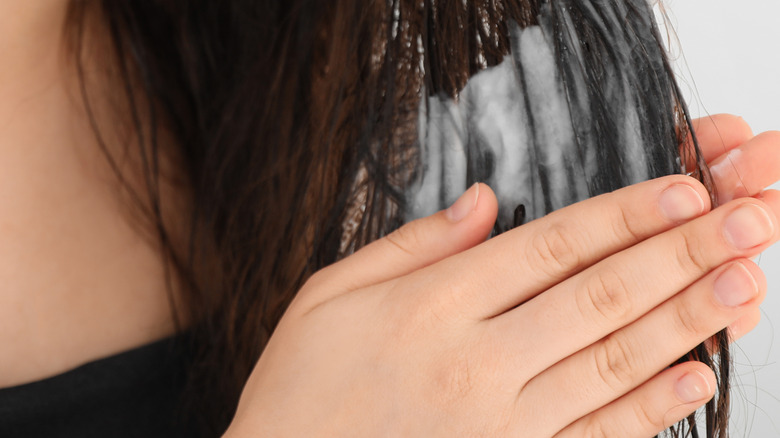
{"x":562,"y":327}
{"x":80,"y":280}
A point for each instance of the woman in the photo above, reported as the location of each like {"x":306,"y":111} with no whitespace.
{"x":185,"y":167}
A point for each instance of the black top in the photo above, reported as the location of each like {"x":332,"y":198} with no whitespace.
{"x":132,"y":394}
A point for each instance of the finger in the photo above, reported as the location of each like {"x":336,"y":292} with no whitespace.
{"x":626,"y":358}
{"x":720,"y":133}
{"x":653,"y":407}
{"x":622,"y":288}
{"x":736,"y":330}
{"x":511,"y":268}
{"x":771,"y":197}
{"x":744,"y":325}
{"x":747,"y":169}
{"x":413,"y":246}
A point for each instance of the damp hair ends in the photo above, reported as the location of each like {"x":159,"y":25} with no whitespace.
{"x":351,"y":117}
{"x":583,"y":102}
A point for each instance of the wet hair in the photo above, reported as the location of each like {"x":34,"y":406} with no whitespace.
{"x":304,"y":129}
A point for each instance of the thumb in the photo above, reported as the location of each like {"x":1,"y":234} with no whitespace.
{"x":415,"y":245}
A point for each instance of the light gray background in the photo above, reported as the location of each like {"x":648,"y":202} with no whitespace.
{"x":730,"y":62}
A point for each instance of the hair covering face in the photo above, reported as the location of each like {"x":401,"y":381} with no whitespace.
{"x":584,"y":103}
{"x":581,"y":106}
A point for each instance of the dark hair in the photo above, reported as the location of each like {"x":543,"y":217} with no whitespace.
{"x":289,"y":120}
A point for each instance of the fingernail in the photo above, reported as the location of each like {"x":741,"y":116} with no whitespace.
{"x":748,"y":226}
{"x":464,"y":205}
{"x":680,"y":202}
{"x":735,"y":286}
{"x":692,"y":387}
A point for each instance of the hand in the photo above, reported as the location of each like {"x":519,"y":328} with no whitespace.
{"x":562,"y":327}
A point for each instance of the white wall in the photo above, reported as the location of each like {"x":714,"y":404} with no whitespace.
{"x":731,"y":64}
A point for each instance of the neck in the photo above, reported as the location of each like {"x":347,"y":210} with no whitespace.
{"x":81,"y":279}
{"x":31,"y":46}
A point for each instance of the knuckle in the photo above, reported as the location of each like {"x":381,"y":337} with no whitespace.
{"x":686,"y":321}
{"x":690,"y":256}
{"x":624,"y":227}
{"x":605,"y":296}
{"x":594,"y":428}
{"x":645,"y":418}
{"x":554,"y":251}
{"x":406,"y":238}
{"x":614,"y":361}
